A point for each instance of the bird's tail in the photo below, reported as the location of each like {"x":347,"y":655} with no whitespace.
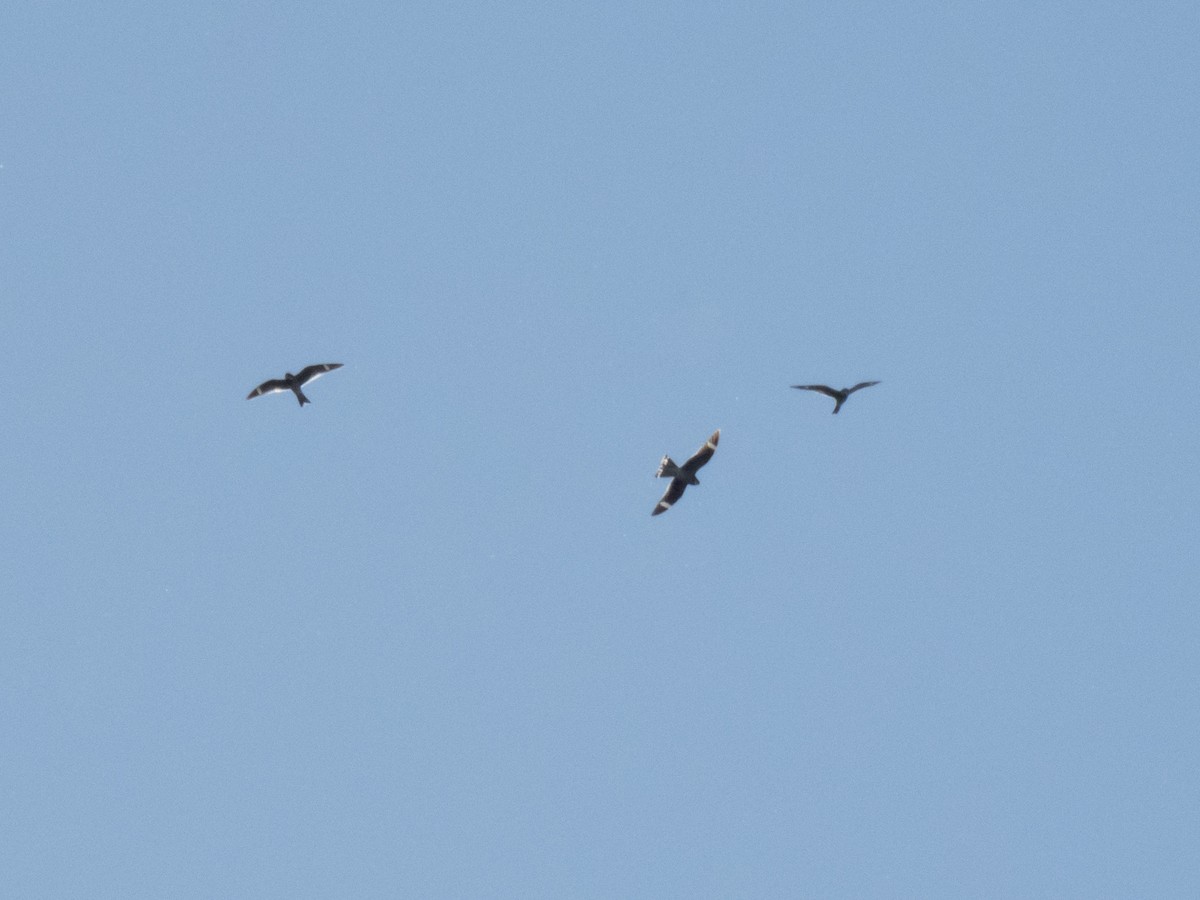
{"x":837,"y":406}
{"x":300,"y":396}
{"x":667,"y":468}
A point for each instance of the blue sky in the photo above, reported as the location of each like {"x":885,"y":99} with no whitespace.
{"x":422,"y":637}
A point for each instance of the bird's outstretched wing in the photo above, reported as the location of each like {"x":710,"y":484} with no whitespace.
{"x":704,"y":454}
{"x":268,"y":387}
{"x":861,"y":384}
{"x":673,"y":492}
{"x":308,"y":373}
{"x":819,"y":388}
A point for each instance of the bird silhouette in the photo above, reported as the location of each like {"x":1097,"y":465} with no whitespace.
{"x":838,"y":395}
{"x":682,"y":476}
{"x":293,"y":383}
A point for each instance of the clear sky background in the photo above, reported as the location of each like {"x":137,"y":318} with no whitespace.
{"x":422,"y":638}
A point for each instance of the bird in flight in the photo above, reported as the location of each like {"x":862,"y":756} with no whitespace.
{"x":293,"y":383}
{"x":682,"y":476}
{"x":838,"y":395}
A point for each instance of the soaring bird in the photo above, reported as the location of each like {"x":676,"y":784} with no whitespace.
{"x":293,"y":383}
{"x":682,"y":476}
{"x":838,"y":395}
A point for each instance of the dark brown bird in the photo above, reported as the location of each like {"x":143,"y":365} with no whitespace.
{"x":838,"y":395}
{"x":293,"y":383}
{"x":682,"y":476}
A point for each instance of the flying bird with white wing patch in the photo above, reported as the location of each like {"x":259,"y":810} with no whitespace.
{"x":293,"y":383}
{"x":682,"y":476}
{"x":838,"y":394}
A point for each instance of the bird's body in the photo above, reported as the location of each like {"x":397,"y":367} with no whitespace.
{"x":293,"y":383}
{"x":682,"y":476}
{"x":838,"y":394}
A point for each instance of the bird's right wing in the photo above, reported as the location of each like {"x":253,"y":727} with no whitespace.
{"x":861,"y":384}
{"x":704,"y":454}
{"x":819,"y":388}
{"x":268,"y":387}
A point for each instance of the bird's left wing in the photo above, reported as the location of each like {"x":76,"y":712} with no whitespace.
{"x":673,"y":492}
{"x":308,"y":373}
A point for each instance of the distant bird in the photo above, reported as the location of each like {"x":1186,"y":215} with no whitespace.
{"x":682,"y":476}
{"x":839,"y":396}
{"x":293,"y":383}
